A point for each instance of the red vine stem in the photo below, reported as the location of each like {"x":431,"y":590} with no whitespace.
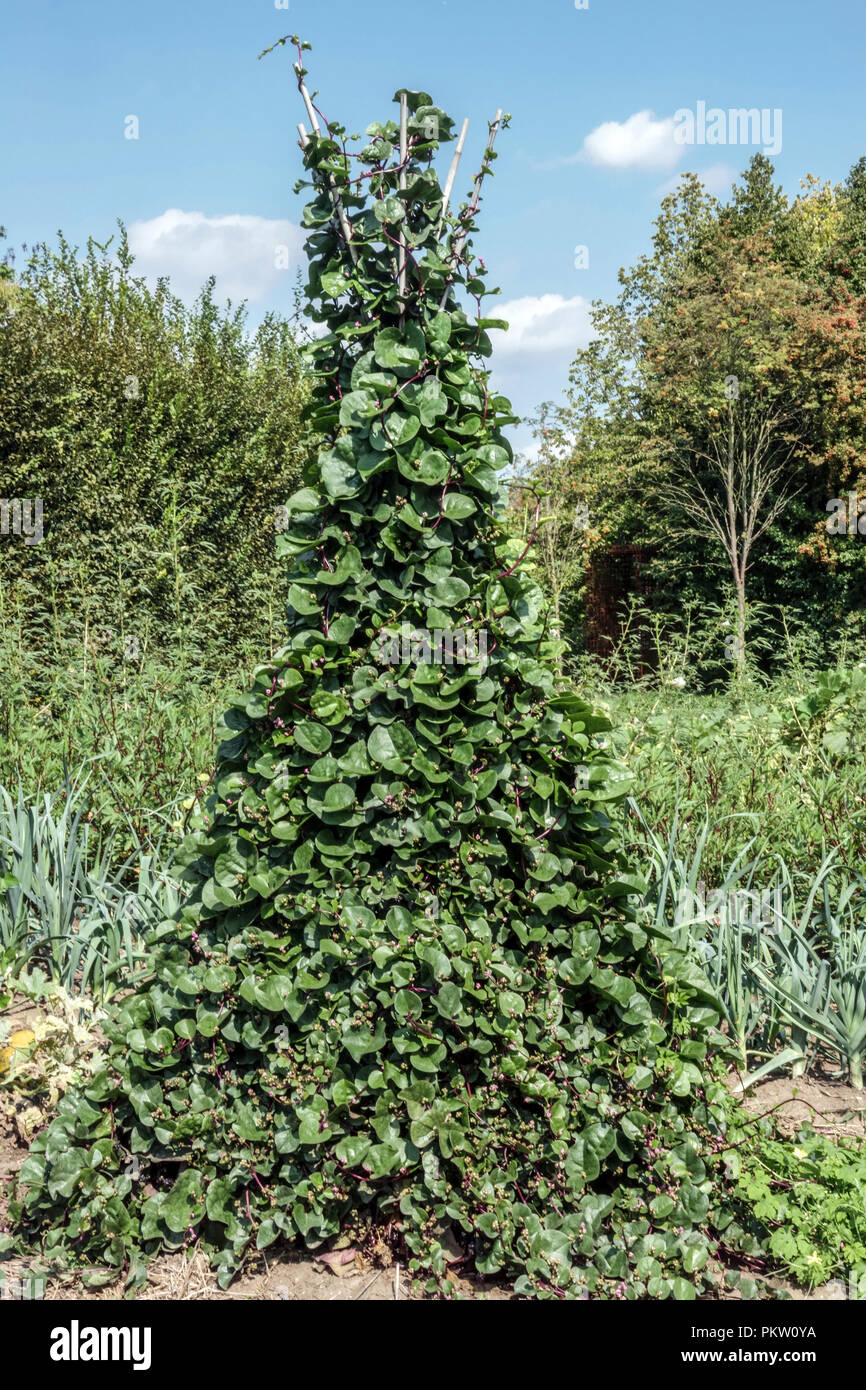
{"x":504,"y":574}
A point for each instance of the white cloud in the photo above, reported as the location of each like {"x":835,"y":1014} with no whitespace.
{"x":530,"y":362}
{"x":547,"y":323}
{"x":641,"y":142}
{"x":247,"y":254}
{"x":716,"y":179}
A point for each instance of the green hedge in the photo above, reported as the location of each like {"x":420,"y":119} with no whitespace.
{"x":161,"y":440}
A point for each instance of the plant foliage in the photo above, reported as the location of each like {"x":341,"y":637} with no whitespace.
{"x":159,"y":440}
{"x":809,"y":1197}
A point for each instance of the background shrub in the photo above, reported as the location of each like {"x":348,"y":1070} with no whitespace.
{"x":162,"y":440}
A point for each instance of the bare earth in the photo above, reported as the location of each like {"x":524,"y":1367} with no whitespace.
{"x":829,"y":1106}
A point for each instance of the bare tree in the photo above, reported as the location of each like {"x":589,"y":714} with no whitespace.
{"x":736,"y":487}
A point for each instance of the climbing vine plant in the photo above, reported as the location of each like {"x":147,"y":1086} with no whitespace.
{"x":408,"y":991}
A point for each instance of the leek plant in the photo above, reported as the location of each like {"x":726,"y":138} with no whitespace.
{"x":817,"y":972}
{"x":62,"y":906}
{"x":786,"y":964}
{"x":718,"y":929}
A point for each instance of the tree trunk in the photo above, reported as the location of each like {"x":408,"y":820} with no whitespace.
{"x":740,"y":647}
{"x":557,"y":630}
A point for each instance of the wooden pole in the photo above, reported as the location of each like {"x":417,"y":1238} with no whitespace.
{"x":471,"y":210}
{"x":311,"y":110}
{"x":404,"y":155}
{"x":345,"y":224}
{"x":452,"y":174}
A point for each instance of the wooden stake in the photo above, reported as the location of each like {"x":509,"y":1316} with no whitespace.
{"x":311,"y":111}
{"x":471,"y":210}
{"x":345,"y":224}
{"x":452,"y":174}
{"x":404,"y":155}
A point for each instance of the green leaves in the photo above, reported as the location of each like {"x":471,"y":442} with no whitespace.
{"x":805,"y":1190}
{"x":357,"y":408}
{"x":545,"y":867}
{"x":439,"y":332}
{"x":359,"y":1040}
{"x":233,"y":862}
{"x":400,"y":352}
{"x":457,"y":506}
{"x":339,"y":797}
{"x":390,"y":209}
{"x":329,"y":706}
{"x":185,"y":1203}
{"x":334,"y":283}
{"x":382,"y":749}
{"x":449,"y":592}
{"x":427,"y":400}
{"x":314,"y":738}
{"x":352,"y":1149}
{"x":339,"y":477}
{"x":313,"y":1124}
{"x":429,"y":467}
{"x":305,"y":500}
{"x":397,"y":430}
{"x":302,"y":601}
{"x":449,"y":1000}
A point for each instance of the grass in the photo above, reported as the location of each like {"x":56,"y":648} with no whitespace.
{"x":140,"y":733}
{"x":749,"y":766}
{"x":101,"y":763}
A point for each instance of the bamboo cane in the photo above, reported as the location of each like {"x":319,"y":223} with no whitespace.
{"x":471,"y":210}
{"x":452,"y":174}
{"x":345,"y":224}
{"x":404,"y":155}
{"x":311,"y":110}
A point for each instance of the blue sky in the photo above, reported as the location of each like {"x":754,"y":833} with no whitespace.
{"x":593,"y":92}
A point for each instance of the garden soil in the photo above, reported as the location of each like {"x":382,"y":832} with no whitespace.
{"x":828,"y":1105}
